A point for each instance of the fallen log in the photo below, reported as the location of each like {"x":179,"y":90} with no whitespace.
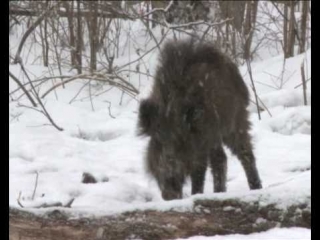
{"x":207,"y":217}
{"x":86,"y":14}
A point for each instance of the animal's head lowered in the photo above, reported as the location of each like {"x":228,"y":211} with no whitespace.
{"x":175,"y":132}
{"x":173,"y":126}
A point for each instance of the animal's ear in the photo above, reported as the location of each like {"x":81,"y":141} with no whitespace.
{"x":148,"y":116}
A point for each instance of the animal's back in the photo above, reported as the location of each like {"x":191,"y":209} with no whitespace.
{"x":200,"y":76}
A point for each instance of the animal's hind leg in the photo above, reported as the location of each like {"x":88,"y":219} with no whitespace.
{"x":218,"y":161}
{"x":240,"y":145}
{"x":198,"y":174}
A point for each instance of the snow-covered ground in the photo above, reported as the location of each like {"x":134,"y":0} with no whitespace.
{"x":273,"y":234}
{"x":107,"y":147}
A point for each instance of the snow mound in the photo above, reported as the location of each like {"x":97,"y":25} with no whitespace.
{"x":292,"y":121}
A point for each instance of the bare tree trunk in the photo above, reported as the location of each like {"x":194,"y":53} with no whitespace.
{"x":92,"y":24}
{"x":153,"y":16}
{"x":246,"y":30}
{"x":55,"y":30}
{"x":234,"y":43}
{"x":118,"y":30}
{"x":105,"y":29}
{"x":46,"y":48}
{"x":285,"y":31}
{"x":233,"y":9}
{"x":252,"y":8}
{"x":304,"y":20}
{"x":79,"y":40}
{"x":148,"y":9}
{"x":227,"y":11}
{"x":69,"y":10}
{"x":156,"y":15}
{"x":43,"y":36}
{"x":291,"y":37}
{"x":254,"y":13}
{"x":43,"y":46}
{"x":72,"y":37}
{"x":304,"y":84}
{"x":227,"y":34}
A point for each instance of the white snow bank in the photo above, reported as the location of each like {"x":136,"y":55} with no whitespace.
{"x":273,"y":234}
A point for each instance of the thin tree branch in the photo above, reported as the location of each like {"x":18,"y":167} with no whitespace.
{"x":253,"y":87}
{"x":39,"y":100}
{"x":98,"y":77}
{"x":14,"y":78}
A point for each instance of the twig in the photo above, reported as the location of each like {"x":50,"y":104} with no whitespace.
{"x":52,"y":81}
{"x":288,"y":78}
{"x":15,"y":116}
{"x":80,"y":90}
{"x":283,"y":70}
{"x":98,"y":77}
{"x":18,"y":200}
{"x":295,"y":28}
{"x":35,"y":186}
{"x":204,"y":34}
{"x":33,"y":108}
{"x":62,"y":83}
{"x":253,"y":87}
{"x":147,"y":27}
{"x":41,"y":80}
{"x":45,"y":112}
{"x":14,"y":78}
{"x":127,"y":64}
{"x":265,"y":107}
{"x":90,"y":96}
{"x":267,"y":85}
{"x":15,"y":20}
{"x":69,"y":203}
{"x":56,"y":204}
{"x":197,"y":23}
{"x":47,"y":205}
{"x":300,"y":84}
{"x":304,"y":84}
{"x":126,"y":82}
{"x":109,"y":108}
{"x":159,"y":9}
{"x":134,"y":71}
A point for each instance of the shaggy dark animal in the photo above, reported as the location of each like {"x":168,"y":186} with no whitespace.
{"x":198,"y":103}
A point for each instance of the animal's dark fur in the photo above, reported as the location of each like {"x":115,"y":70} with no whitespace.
{"x":198,"y":102}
